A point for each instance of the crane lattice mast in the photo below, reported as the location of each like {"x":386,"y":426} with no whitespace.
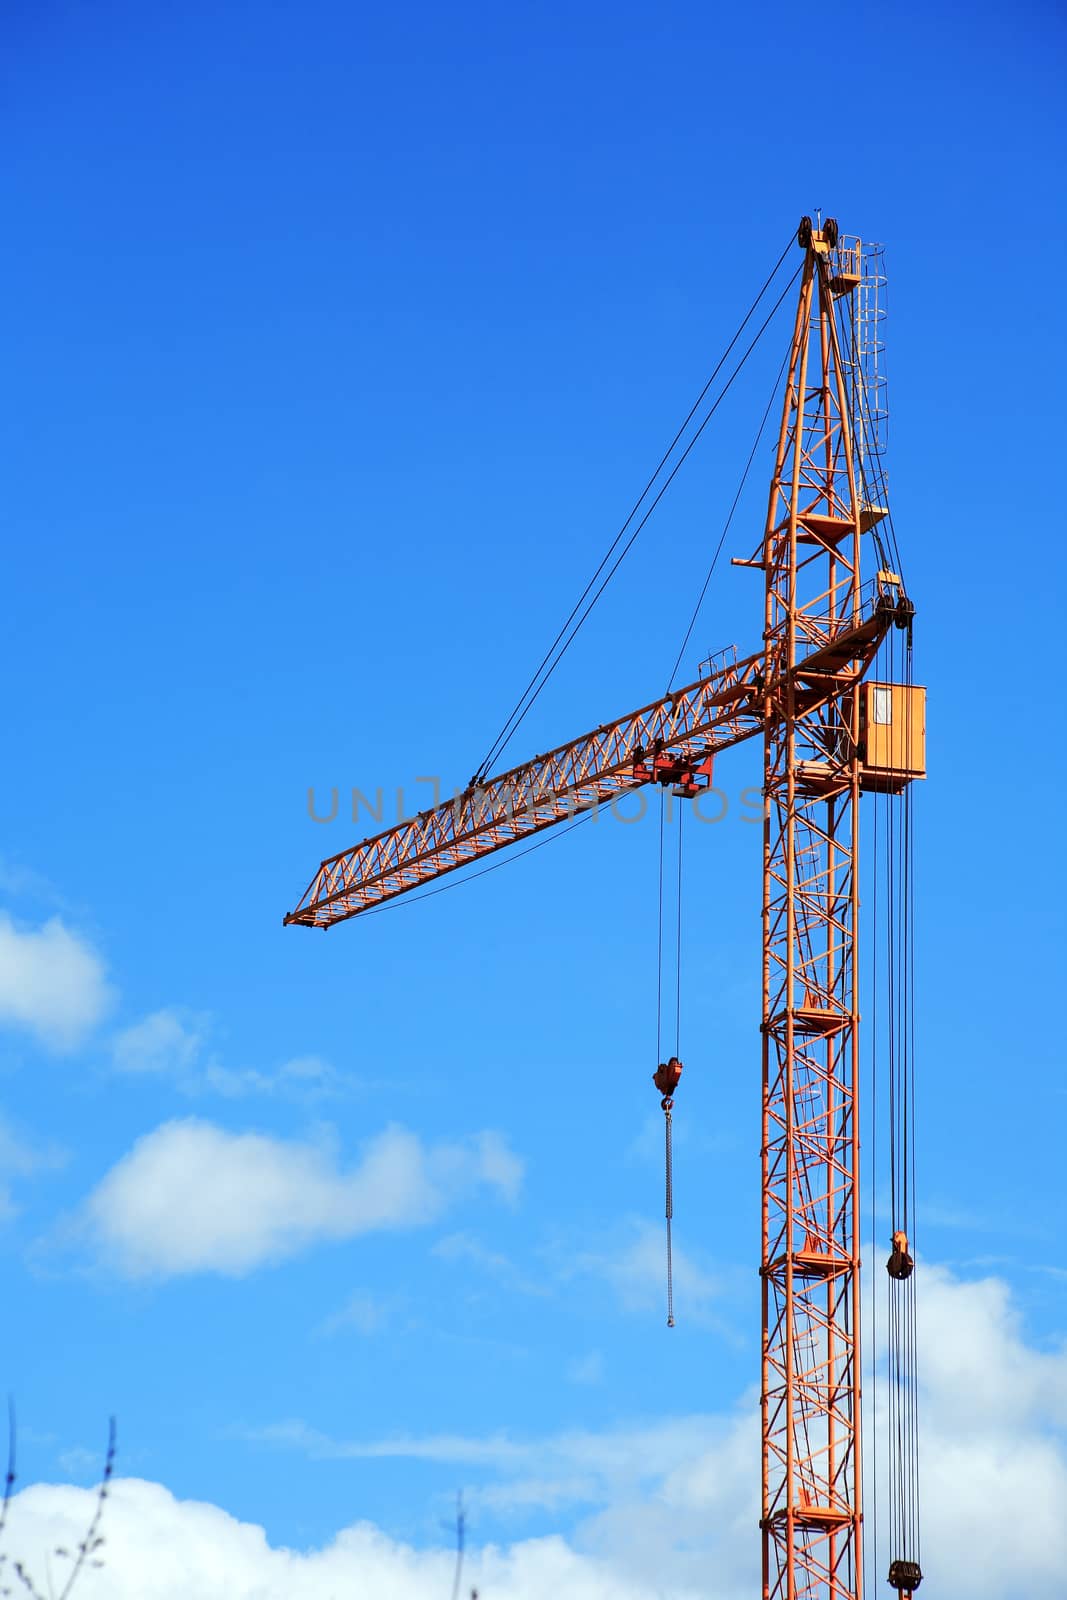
{"x":827,"y":738}
{"x":810,"y":1265}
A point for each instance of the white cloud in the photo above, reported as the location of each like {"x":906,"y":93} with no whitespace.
{"x":664,"y":1508}
{"x":193,"y":1197}
{"x":160,"y":1548}
{"x":993,"y":1442}
{"x":173,"y":1043}
{"x":304,"y":1077}
{"x":662,"y":1503}
{"x":52,"y":983}
{"x":969,"y":1331}
{"x":165,"y":1042}
{"x":667,"y":1502}
{"x":500,"y":1165}
{"x":464,"y":1247}
{"x":637,"y":1273}
{"x":18,"y":1155}
{"x":21,"y":1157}
{"x":78,"y":1462}
{"x":361,"y":1312}
{"x":587,"y":1369}
{"x":632,"y":1263}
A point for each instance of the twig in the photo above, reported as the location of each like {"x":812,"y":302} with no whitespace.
{"x":461,"y":1524}
{"x":9,"y":1481}
{"x":93,"y":1538}
{"x":28,"y":1581}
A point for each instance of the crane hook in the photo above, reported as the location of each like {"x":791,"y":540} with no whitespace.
{"x":666,"y":1078}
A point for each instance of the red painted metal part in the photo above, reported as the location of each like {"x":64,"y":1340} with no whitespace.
{"x":802,"y":693}
{"x":670,"y":740}
{"x":811,"y":1517}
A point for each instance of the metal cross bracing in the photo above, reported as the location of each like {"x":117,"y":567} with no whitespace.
{"x":810,"y":1268}
{"x":804,"y":693}
{"x":671,"y":740}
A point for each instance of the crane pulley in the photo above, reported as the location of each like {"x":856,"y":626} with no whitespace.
{"x":900,"y":1264}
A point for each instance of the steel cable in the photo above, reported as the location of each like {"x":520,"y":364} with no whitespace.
{"x":726,"y":527}
{"x":565,"y":637}
{"x":678,"y":949}
{"x":669,"y":1210}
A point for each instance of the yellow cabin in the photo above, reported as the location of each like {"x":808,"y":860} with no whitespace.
{"x":892,"y":735}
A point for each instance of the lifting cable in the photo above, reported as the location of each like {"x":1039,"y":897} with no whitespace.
{"x":875,"y":1036}
{"x":726,"y":527}
{"x":567,"y":633}
{"x":668,"y":1073}
{"x":896,"y":938}
{"x":892,"y":1011}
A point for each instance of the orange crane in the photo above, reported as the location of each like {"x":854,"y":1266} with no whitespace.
{"x":831,"y":734}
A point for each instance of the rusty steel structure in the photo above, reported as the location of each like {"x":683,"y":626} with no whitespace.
{"x":803,"y":693}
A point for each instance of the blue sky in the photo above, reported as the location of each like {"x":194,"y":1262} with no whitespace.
{"x":338,"y":343}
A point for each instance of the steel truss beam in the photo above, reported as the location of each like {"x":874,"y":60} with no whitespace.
{"x":690,"y":725}
{"x":810,"y":1268}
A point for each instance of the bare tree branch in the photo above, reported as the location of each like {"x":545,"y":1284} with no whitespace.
{"x":461,"y":1528}
{"x":93,"y":1540}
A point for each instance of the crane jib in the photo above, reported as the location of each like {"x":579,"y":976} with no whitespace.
{"x":692,"y":724}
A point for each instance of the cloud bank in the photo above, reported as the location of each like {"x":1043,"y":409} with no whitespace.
{"x":159,"y":1548}
{"x":173,"y":1043}
{"x":667,"y":1508}
{"x":52,"y":983}
{"x":21,"y":1157}
{"x":166,"y":1042}
{"x":193,"y":1197}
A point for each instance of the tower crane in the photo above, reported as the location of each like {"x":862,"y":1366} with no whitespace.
{"x":832,"y":732}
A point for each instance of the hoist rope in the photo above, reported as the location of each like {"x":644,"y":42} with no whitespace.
{"x":894,"y":957}
{"x":891,"y":1008}
{"x":726,"y":528}
{"x":667,"y":1102}
{"x":659,"y":934}
{"x":875,"y":1089}
{"x":669,"y":1210}
{"x":569,"y":631}
{"x":678,"y":947}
